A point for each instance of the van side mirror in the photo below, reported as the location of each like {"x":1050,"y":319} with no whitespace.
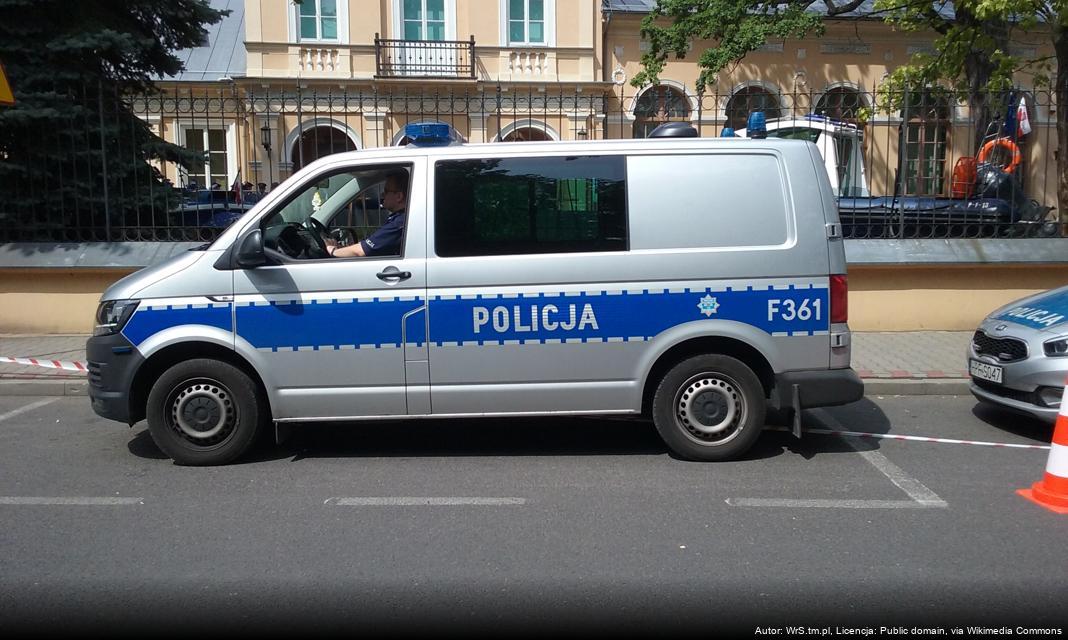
{"x":250,"y":250}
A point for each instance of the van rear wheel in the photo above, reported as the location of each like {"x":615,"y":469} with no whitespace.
{"x":709,"y":408}
{"x":204,"y":412}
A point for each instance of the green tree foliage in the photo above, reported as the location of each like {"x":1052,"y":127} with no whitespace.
{"x":71,"y":137}
{"x":734,"y":28}
{"x":971,"y":53}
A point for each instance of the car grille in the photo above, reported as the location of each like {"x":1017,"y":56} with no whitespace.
{"x":94,"y":374}
{"x":1004,"y":349}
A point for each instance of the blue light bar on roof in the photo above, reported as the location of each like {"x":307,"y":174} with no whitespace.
{"x":757,"y":126}
{"x":430,"y":134}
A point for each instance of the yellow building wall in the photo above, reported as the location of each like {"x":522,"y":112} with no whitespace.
{"x":52,"y":301}
{"x":275,"y":52}
{"x":940,"y":297}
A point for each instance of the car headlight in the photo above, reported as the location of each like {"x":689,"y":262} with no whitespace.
{"x":1056,"y":348}
{"x":111,"y":316}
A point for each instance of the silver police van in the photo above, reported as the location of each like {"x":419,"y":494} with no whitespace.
{"x":696,"y":281}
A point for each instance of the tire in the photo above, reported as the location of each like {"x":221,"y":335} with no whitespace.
{"x":204,"y":412}
{"x":709,"y":408}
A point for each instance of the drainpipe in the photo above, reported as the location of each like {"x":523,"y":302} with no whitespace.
{"x":606,"y":20}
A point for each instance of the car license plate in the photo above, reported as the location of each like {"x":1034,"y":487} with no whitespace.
{"x":985,"y":371}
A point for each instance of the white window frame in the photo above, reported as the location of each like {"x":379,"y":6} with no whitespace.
{"x":450,"y":20}
{"x":550,"y":25}
{"x":231,"y":147}
{"x":342,"y":23}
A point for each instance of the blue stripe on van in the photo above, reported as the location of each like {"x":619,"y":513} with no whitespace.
{"x":327,"y":324}
{"x":146,"y":321}
{"x":599,"y":316}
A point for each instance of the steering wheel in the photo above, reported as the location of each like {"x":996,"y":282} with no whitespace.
{"x":318,"y":231}
{"x":345,"y":236}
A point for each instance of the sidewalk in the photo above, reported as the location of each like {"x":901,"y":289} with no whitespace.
{"x":890,"y":363}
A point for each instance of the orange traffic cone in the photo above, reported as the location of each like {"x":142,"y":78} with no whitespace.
{"x":1052,"y":491}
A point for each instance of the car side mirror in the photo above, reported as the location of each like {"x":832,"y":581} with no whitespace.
{"x":250,"y":250}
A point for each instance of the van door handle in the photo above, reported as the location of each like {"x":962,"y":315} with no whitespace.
{"x":391,"y":273}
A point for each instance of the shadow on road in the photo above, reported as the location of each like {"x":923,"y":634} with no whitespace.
{"x":529,"y":436}
{"x":550,"y":436}
{"x":1016,"y":423}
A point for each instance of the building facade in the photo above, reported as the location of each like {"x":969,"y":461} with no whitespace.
{"x":287,"y":82}
{"x":324,"y":76}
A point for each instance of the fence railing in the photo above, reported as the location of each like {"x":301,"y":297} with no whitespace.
{"x":928,"y":165}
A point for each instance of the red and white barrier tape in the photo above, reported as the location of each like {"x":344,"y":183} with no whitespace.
{"x":66,"y":365}
{"x":893,"y":436}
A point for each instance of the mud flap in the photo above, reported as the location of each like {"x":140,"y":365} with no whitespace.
{"x":795,"y":405}
{"x":282,"y":431}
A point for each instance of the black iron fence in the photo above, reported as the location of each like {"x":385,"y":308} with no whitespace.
{"x":90,"y":165}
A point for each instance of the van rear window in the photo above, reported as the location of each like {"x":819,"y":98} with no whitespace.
{"x":505,"y":206}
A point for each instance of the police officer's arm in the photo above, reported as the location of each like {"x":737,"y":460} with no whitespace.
{"x":351,"y":251}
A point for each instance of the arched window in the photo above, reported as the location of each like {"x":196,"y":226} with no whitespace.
{"x":317,"y":142}
{"x":749,"y":99}
{"x":527,"y":134}
{"x":527,"y":130}
{"x":927,"y":131}
{"x":658,"y":105}
{"x":841,"y":103}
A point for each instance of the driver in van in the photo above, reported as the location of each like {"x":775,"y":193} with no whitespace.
{"x":386,"y":241}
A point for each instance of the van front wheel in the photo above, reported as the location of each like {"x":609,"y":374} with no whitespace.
{"x":204,"y":412}
{"x":709,"y":408}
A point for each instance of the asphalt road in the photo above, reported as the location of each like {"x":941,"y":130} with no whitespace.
{"x":524,"y":526}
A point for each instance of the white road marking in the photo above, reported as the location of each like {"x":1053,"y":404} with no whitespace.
{"x":911,"y":486}
{"x":29,"y":407}
{"x":413,"y":501}
{"x":60,"y":501}
{"x":826,"y":504}
{"x":895,"y":436}
{"x":920,"y":496}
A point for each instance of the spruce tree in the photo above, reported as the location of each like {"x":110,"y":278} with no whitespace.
{"x":73,"y":155}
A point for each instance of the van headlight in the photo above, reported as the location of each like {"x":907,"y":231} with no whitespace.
{"x":1056,"y":348}
{"x":111,"y":316}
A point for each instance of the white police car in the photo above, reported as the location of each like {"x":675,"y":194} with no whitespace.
{"x":1018,"y":357}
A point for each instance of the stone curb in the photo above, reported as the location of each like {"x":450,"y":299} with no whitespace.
{"x":44,"y":387}
{"x":872,"y":387}
{"x":914,"y":387}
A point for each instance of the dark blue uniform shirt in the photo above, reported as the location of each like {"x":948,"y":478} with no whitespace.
{"x":386,"y":241}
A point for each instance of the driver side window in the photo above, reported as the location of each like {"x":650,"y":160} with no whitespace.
{"x":333,"y":210}
{"x":364,"y":212}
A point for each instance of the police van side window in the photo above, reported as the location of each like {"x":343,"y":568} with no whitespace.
{"x":513,"y":206}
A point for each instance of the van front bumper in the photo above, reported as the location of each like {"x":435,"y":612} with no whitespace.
{"x":818,"y":388}
{"x":112,"y":363}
